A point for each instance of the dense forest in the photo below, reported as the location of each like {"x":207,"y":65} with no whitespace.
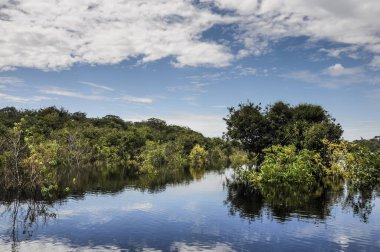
{"x":51,"y":152}
{"x":48,"y":150}
{"x":299,"y":145}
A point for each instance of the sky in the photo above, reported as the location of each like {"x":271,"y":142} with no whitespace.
{"x":187,"y":61}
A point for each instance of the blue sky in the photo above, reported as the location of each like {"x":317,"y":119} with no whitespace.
{"x":187,"y":61}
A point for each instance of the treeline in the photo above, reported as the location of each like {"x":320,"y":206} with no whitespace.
{"x":299,"y":145}
{"x":49,"y":150}
{"x":42,"y":150}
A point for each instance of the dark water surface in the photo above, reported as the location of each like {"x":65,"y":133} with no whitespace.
{"x":204,"y":214}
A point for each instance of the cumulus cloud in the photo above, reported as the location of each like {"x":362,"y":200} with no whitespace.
{"x":51,"y":35}
{"x":350,"y":22}
{"x":350,"y":51}
{"x":339,"y":70}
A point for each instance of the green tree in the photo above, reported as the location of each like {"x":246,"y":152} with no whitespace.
{"x":249,"y":126}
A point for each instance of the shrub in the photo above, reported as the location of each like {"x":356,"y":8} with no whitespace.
{"x":239,"y":159}
{"x":198,"y":157}
{"x":363,"y":167}
{"x":284,"y":164}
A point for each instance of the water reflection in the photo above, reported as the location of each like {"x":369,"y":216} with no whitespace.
{"x":190,"y":210}
{"x":361,"y":202}
{"x":24,"y":218}
{"x":284,"y":202}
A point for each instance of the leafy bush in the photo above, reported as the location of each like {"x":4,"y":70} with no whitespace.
{"x":239,"y":158}
{"x":363,"y":167}
{"x":336,"y":158}
{"x":198,"y":157}
{"x":283,"y":164}
{"x":152,"y":157}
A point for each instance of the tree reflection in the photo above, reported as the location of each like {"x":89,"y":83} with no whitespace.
{"x":285,"y":201}
{"x":25,"y":217}
{"x":360,"y":201}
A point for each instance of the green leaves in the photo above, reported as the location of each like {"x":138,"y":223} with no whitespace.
{"x":303,"y":126}
{"x":364,"y":167}
{"x":284,"y":164}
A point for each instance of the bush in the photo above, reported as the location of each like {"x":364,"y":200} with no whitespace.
{"x":198,"y":157}
{"x":363,"y":167}
{"x":283,"y":164}
{"x":239,"y":159}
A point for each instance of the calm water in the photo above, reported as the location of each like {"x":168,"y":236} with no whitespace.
{"x":196,"y":212}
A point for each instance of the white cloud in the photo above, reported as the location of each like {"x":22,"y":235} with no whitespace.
{"x":134,"y":99}
{"x":339,"y":70}
{"x":375,"y":63}
{"x":69,"y":93}
{"x":196,"y":87}
{"x":350,"y":22}
{"x":9,"y":80}
{"x":91,"y":84}
{"x":350,"y":51}
{"x":51,"y":35}
{"x":335,"y":76}
{"x":246,"y":71}
{"x":75,"y":94}
{"x":19,"y":99}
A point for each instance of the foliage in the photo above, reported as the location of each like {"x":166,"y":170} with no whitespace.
{"x":156,"y":156}
{"x":372,"y":144}
{"x":249,"y":126}
{"x":239,"y":158}
{"x":40,"y":164}
{"x":47,"y":150}
{"x":285,"y":164}
{"x":303,"y":126}
{"x":363,"y":167}
{"x":217,"y":158}
{"x":198,"y":157}
{"x":337,"y":157}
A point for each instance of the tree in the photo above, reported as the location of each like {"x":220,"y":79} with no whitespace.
{"x":249,"y":126}
{"x":279,"y":115}
{"x":310,"y":113}
{"x":303,"y":126}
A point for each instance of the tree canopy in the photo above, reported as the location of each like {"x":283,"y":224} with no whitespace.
{"x":303,"y":126}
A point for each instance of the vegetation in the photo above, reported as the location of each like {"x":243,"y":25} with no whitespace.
{"x":298,"y":145}
{"x":47,"y":150}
